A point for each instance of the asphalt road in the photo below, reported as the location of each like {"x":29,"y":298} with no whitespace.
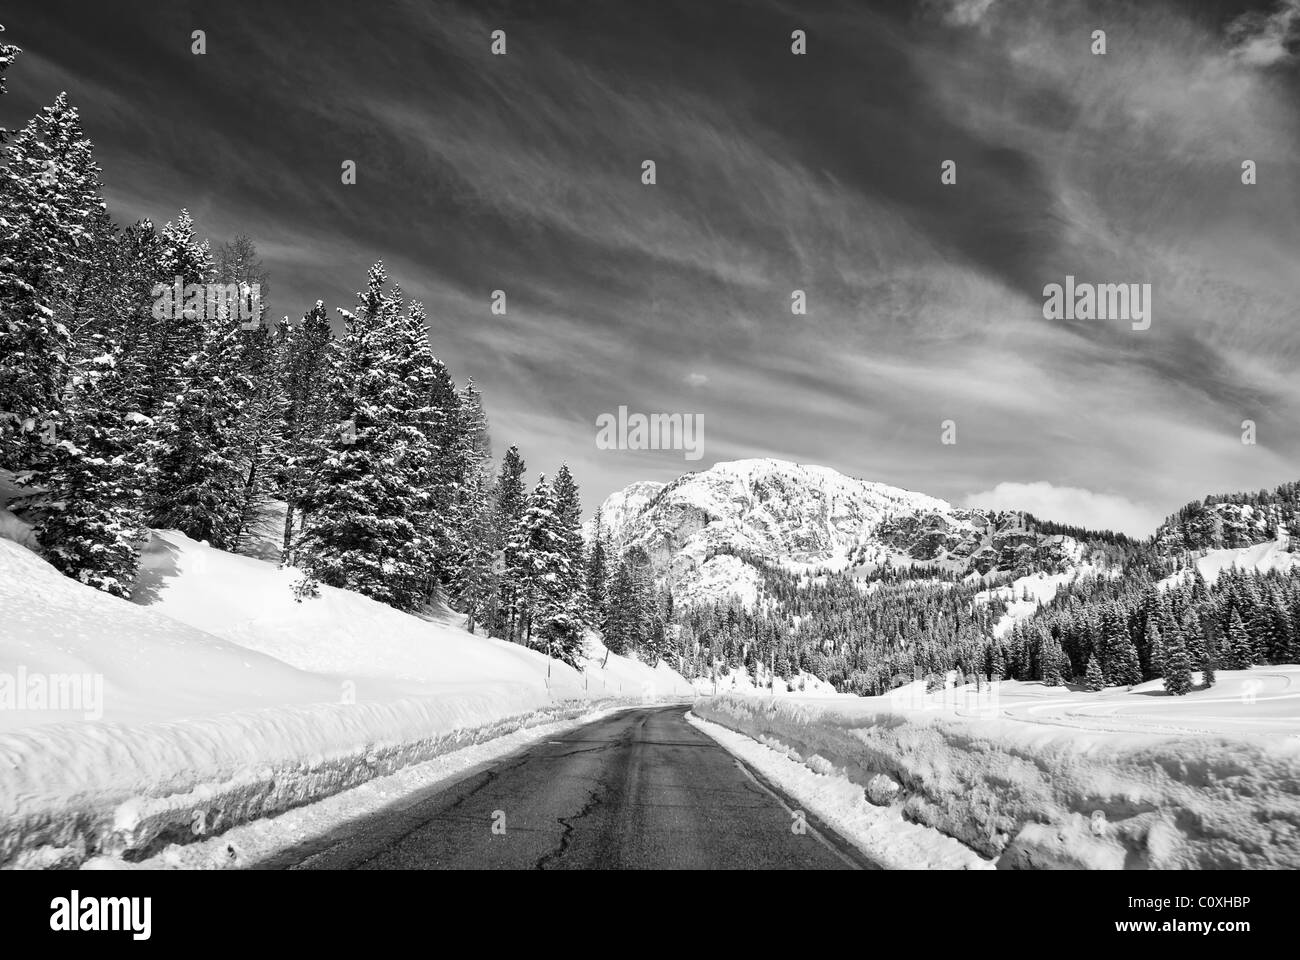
{"x":641,"y":789}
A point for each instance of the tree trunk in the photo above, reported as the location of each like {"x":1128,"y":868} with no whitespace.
{"x":286,"y":550}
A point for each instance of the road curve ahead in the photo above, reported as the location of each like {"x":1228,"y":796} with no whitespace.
{"x":640,"y":789}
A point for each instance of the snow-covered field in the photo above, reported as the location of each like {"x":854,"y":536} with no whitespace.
{"x":1047,"y":777}
{"x":216,"y":698}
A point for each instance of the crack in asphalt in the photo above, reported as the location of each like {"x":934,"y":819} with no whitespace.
{"x":594,"y":800}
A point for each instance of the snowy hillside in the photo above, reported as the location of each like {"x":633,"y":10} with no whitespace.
{"x":1261,"y":557}
{"x":215,"y":690}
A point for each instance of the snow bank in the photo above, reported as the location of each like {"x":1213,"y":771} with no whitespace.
{"x":216,"y":699}
{"x":878,"y":831}
{"x":1043,"y":794}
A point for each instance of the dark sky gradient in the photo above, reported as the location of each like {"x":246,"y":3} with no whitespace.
{"x":775,"y":172}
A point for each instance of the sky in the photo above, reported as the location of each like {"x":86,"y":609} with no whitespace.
{"x":775,"y":172}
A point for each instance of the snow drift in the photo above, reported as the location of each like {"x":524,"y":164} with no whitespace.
{"x":1043,"y":784}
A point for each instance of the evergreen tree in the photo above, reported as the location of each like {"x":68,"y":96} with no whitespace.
{"x":179,"y":326}
{"x":621,"y":626}
{"x":1156,"y":647}
{"x":8,"y":53}
{"x":998,"y":670}
{"x":365,"y":519}
{"x":545,"y":596}
{"x":199,"y":474}
{"x":597,"y":575}
{"x":49,"y":200}
{"x":308,"y":361}
{"x":508,"y":510}
{"x":1125,"y":668}
{"x":473,"y":582}
{"x":568,"y":506}
{"x":1178,"y":668}
{"x":467,"y":569}
{"x":1240,"y":651}
{"x":1208,"y":672}
{"x":1194,"y":640}
{"x":1052,"y":664}
{"x":90,"y":517}
{"x":1093,"y":679}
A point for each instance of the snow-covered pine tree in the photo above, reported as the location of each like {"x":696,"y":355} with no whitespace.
{"x":418,"y":425}
{"x":178,"y":329}
{"x":568,"y":510}
{"x":1051,"y":655}
{"x":596,"y":579}
{"x":1093,"y":679}
{"x":568,"y":506}
{"x":620,"y":627}
{"x":452,"y":461}
{"x":1156,"y":647}
{"x":470,"y":577}
{"x":1194,"y":640}
{"x":90,"y":517}
{"x":1170,"y":632}
{"x":201,"y":433}
{"x":1124,"y":668}
{"x":1178,"y":668}
{"x":1209,"y":670}
{"x":92,"y":473}
{"x":239,"y":271}
{"x":8,"y":53}
{"x":307,"y":366}
{"x":507,"y":512}
{"x":643,"y":605}
{"x":49,"y":199}
{"x":1282,"y":637}
{"x":473,"y":583}
{"x":198,"y":468}
{"x":997,"y":662}
{"x":366,"y":516}
{"x":541,"y":568}
{"x":1240,"y":652}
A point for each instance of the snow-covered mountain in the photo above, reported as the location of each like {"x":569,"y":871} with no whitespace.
{"x":699,"y":529}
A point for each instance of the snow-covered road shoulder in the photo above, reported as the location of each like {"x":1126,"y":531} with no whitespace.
{"x":1042,"y":795}
{"x":880,"y":832}
{"x":258,"y":842}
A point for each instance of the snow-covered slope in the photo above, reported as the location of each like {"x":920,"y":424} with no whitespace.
{"x":216,"y":692}
{"x":146,"y":666}
{"x":622,"y":505}
{"x":1261,"y":558}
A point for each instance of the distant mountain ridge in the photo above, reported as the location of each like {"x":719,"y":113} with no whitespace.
{"x":697,"y":530}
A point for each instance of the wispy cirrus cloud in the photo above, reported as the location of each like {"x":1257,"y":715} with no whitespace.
{"x":775,"y":173}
